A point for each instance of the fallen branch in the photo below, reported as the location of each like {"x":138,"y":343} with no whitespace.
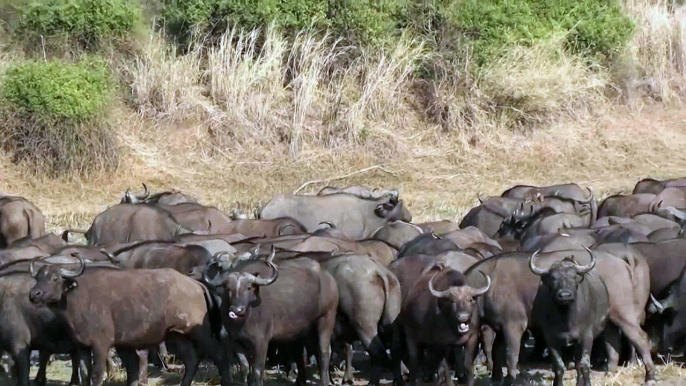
{"x":327,"y":180}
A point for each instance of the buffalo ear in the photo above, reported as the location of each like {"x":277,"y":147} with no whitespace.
{"x":384,"y":210}
{"x":70,"y":284}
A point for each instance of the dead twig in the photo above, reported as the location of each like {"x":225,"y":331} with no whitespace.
{"x":327,"y":180}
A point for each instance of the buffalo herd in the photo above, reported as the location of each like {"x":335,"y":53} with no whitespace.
{"x":539,"y":276}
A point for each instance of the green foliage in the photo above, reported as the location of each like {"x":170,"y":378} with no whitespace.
{"x":83,"y":20}
{"x":367,"y":22}
{"x":595,"y":28}
{"x":57,"y":90}
{"x":55,"y":117}
{"x":180,"y":15}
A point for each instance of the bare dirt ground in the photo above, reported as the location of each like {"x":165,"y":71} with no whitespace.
{"x":438,"y":175}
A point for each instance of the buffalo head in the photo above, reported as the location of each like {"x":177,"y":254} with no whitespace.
{"x":53,"y":282}
{"x":392,"y":209}
{"x":240,"y":288}
{"x":563,"y":278}
{"x":457,"y":302}
{"x":133,"y":198}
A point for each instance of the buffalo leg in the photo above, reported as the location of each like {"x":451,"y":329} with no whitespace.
{"x":397,"y":356}
{"x":100,"y":354}
{"x":77,"y":373}
{"x":142,"y":358}
{"x":558,"y":365}
{"x":130,"y":361}
{"x":188,"y":355}
{"x":301,"y":378}
{"x":259,"y":360}
{"x":348,"y":376}
{"x":499,"y":354}
{"x":21,"y":357}
{"x":470,"y":350}
{"x":412,"y":354}
{"x":513,"y":340}
{"x":613,"y":346}
{"x":43,"y":359}
{"x":325,"y":327}
{"x":582,"y":358}
{"x":487,"y":341}
{"x":639,"y":339}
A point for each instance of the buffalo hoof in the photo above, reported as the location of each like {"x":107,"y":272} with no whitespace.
{"x":650,"y":383}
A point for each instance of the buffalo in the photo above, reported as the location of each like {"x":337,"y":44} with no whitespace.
{"x":19,"y":218}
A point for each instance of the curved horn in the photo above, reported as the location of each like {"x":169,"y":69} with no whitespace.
{"x":72,"y":274}
{"x":659,"y":308}
{"x":438,"y":294}
{"x":270,"y":259}
{"x":109,"y":255}
{"x":212,"y":282}
{"x":590,"y":196}
{"x":534,"y":268}
{"x":266,"y":281}
{"x":481,"y":291}
{"x":589,"y":266}
{"x":481,"y":199}
{"x":329,"y":223}
{"x":145,"y":194}
{"x":32,"y":266}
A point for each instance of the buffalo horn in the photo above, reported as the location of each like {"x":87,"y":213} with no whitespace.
{"x":270,"y":259}
{"x":590,"y":198}
{"x":213,"y":282}
{"x":72,"y":274}
{"x":438,"y":294}
{"x":329,"y":223}
{"x":586,"y":268}
{"x":109,"y":255}
{"x":481,"y":199}
{"x":266,"y":281}
{"x":658,"y":307}
{"x":481,"y":291}
{"x":145,"y":194}
{"x":283,"y":228}
{"x":32,"y":266}
{"x":534,"y":268}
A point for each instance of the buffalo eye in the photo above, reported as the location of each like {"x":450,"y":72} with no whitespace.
{"x":54,"y":278}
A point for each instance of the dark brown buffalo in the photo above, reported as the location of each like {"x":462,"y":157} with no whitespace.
{"x":198,"y":217}
{"x":25,"y":327}
{"x":379,"y":251}
{"x":153,"y":254}
{"x":572,"y":307}
{"x":19,"y":218}
{"x":369,"y":302}
{"x":569,"y":239}
{"x":124,"y":223}
{"x":488,"y":216}
{"x":263,"y":304}
{"x":170,"y":197}
{"x":141,"y":309}
{"x":653,"y":186}
{"x":427,"y":244}
{"x":469,"y":237}
{"x":559,"y":197}
{"x":626,"y":206}
{"x":358,"y":217}
{"x":544,"y":221}
{"x":506,"y":308}
{"x":439,"y":311}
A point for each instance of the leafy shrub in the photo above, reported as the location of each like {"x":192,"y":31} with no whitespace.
{"x":367,"y":22}
{"x":180,"y":15}
{"x":87,"y":21}
{"x":596,"y":28}
{"x":55,"y":117}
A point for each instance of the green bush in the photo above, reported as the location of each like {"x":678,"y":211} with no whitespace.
{"x":87,"y":21}
{"x":58,"y":90}
{"x":597,"y":29}
{"x":367,"y":22}
{"x":55,"y":117}
{"x":179,"y":16}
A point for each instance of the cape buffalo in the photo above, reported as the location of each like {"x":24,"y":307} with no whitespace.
{"x":358,"y":217}
{"x":172,"y":197}
{"x":141,"y":309}
{"x":124,"y":223}
{"x":653,"y":186}
{"x":572,"y":307}
{"x":439,"y":311}
{"x":358,"y":190}
{"x":19,"y":218}
{"x":263,"y":304}
{"x":369,"y":302}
